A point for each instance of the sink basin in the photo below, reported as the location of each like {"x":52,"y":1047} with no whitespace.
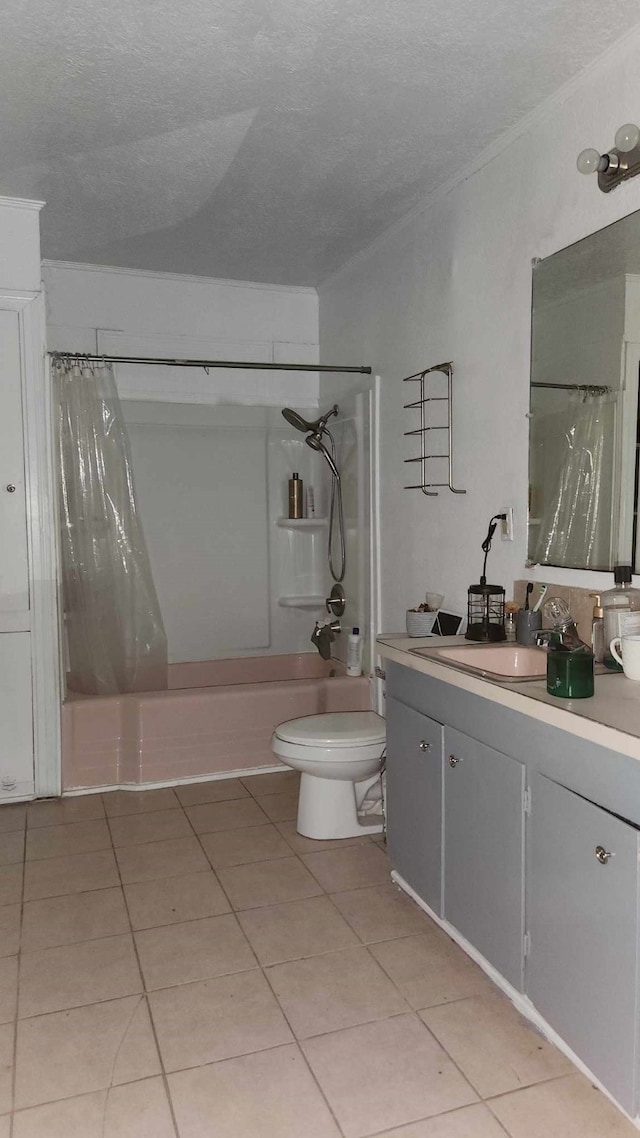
{"x":499,"y":661}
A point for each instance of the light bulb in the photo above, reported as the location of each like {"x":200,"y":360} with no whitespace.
{"x":627,"y":137}
{"x":588,"y":161}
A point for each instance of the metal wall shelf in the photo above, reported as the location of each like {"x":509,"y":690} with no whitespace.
{"x":429,"y":468}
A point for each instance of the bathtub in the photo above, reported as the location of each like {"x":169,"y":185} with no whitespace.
{"x":216,"y":719}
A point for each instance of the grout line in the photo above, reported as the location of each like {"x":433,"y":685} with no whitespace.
{"x":18,"y":971}
{"x":145,"y":998}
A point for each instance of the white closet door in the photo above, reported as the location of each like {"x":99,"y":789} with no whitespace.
{"x":16,"y":726}
{"x":14,"y":577}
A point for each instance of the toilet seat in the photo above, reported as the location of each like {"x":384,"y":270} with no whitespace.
{"x":341,"y":730}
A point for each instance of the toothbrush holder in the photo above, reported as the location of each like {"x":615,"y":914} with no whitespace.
{"x":528,"y":623}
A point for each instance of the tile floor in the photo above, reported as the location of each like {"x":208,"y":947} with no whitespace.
{"x":185,"y":965}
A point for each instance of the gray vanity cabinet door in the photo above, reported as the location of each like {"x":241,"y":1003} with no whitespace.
{"x":484,"y":850}
{"x":583,"y":925}
{"x":414,"y":800}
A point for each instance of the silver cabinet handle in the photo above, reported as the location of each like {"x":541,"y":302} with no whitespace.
{"x":424,"y":746}
{"x":11,"y":488}
{"x":453,"y":761}
{"x":603,"y":855}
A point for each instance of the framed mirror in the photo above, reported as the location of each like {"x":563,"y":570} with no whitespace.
{"x":584,"y":435}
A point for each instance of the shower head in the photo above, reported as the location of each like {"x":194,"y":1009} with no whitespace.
{"x":300,"y":424}
{"x":314,"y":440}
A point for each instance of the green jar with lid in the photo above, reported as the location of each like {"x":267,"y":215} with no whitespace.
{"x":570,"y":674}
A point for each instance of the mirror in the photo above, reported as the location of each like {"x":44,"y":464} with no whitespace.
{"x":584,"y":436}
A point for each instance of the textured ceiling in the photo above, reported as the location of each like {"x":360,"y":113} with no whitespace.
{"x":265,"y":140}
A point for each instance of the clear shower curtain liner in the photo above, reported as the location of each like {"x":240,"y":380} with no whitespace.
{"x":115,"y":635}
{"x":571,"y":529}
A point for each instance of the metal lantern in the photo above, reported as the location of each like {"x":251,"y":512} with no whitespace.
{"x":485,"y":612}
{"x":485,"y":603}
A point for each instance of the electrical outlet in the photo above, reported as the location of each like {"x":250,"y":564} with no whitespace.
{"x":506,"y":524}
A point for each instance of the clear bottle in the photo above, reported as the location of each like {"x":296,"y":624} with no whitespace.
{"x":621,"y":609}
{"x":510,"y":612}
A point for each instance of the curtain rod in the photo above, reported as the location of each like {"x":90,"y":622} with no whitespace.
{"x":206,"y":364}
{"x":598,"y":388}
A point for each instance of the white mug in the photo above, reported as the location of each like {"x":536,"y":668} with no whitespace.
{"x":628,"y":654}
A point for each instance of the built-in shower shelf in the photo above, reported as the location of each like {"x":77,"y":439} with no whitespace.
{"x":301,"y":602}
{"x":302,"y":523}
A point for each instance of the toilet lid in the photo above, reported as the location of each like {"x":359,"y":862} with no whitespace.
{"x":340,"y":729}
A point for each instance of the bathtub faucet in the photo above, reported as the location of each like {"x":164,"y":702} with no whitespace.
{"x":324,"y":635}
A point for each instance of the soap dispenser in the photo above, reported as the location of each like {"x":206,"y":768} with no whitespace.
{"x":597,"y":629}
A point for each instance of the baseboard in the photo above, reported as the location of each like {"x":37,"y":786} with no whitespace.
{"x":244,"y":772}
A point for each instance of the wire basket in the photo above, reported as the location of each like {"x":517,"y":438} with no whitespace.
{"x":420,"y":623}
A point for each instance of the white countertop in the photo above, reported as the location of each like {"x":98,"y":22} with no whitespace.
{"x":610,"y":718}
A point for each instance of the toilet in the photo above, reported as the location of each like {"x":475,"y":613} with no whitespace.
{"x":340,"y":757}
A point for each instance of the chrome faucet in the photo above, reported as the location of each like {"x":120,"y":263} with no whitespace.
{"x":324,"y":635}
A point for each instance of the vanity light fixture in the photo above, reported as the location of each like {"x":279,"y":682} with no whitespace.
{"x":617,"y":164}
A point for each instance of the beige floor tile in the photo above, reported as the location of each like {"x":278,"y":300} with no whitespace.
{"x":77,"y":974}
{"x":269,"y":1094}
{"x":10,"y":884}
{"x":68,"y":838}
{"x":309,"y":845}
{"x":563,"y":1108}
{"x":154,"y":860}
{"x":216,"y":1019}
{"x":268,"y":883}
{"x":272,"y":782}
{"x":339,"y":989}
{"x":470,"y":1122}
{"x":9,"y":929}
{"x":296,"y":929}
{"x":118,"y":803}
{"x":8,"y":988}
{"x":430,"y":969}
{"x":86,"y":1049}
{"x":381,"y":913}
{"x":57,"y":811}
{"x":239,"y":847}
{"x":5,"y":1126}
{"x":196,"y":950}
{"x":217,"y":790}
{"x":385,"y":1074}
{"x":7,"y":1032}
{"x":280,"y":807}
{"x":175,"y":899}
{"x":13,"y":817}
{"x":75,"y":873}
{"x":351,"y":868}
{"x":158,"y":826}
{"x":135,"y":1109}
{"x":213,"y":816}
{"x":494,"y":1047}
{"x":77,"y":917}
{"x":12,"y":848}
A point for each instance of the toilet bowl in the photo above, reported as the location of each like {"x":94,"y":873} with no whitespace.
{"x":339,"y":756}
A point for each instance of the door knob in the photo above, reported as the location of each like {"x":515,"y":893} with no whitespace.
{"x":11,"y":488}
{"x":424,"y":746}
{"x":603,"y":855}
{"x":453,"y":761}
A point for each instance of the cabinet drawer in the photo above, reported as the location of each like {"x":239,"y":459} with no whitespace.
{"x":583,"y":924}
{"x":414,"y":800}
{"x":484,"y":850}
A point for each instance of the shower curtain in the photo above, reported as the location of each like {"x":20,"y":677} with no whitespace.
{"x":115,"y":635}
{"x":575,"y":526}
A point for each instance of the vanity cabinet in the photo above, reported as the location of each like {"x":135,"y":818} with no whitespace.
{"x":484,"y":850}
{"x":583,"y":929}
{"x":414,"y":799}
{"x":538,"y":845}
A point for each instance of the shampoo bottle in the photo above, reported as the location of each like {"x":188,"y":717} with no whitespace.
{"x":354,"y":653}
{"x":295,"y":496}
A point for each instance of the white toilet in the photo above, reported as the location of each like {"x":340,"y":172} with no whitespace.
{"x":340,"y":757}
